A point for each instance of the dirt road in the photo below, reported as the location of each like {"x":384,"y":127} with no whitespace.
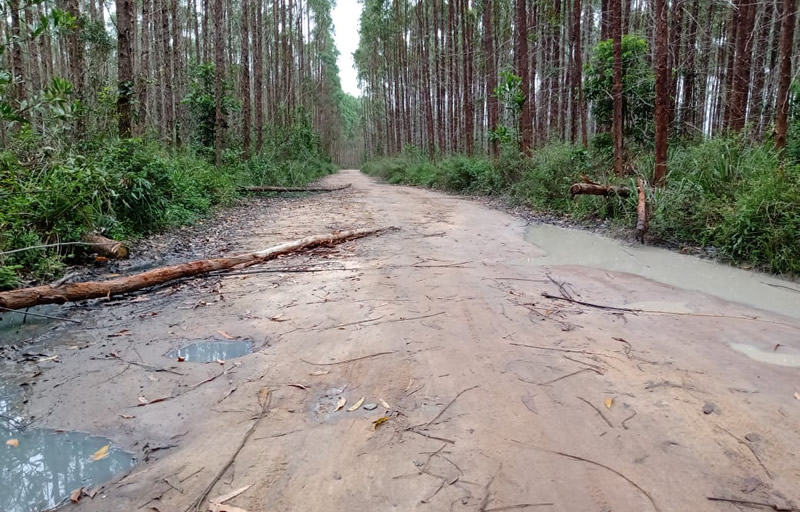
{"x":499,"y":398}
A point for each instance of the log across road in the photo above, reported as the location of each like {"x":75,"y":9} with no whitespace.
{"x":482,"y":393}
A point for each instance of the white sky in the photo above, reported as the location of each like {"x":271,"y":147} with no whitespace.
{"x":346,"y":17}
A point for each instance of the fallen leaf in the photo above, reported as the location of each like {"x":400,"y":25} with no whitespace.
{"x":220,"y":361}
{"x":277,"y":318}
{"x":609,"y":402}
{"x":13,"y":442}
{"x":75,"y":496}
{"x":341,"y":403}
{"x":152,"y":377}
{"x":181,"y":359}
{"x":126,"y":416}
{"x":142,"y":400}
{"x":226,"y":335}
{"x":229,"y":496}
{"x":320,"y":372}
{"x":100,"y":454}
{"x":797,"y":395}
{"x":298,"y":386}
{"x":123,"y":332}
{"x":380,"y":421}
{"x":51,"y":358}
{"x":356,"y":405}
{"x":383,"y":403}
{"x":263,"y":396}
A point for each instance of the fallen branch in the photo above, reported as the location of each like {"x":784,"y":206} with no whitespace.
{"x":195,"y":506}
{"x":746,"y":445}
{"x":598,"y":464}
{"x":349,"y":360}
{"x":71,"y":292}
{"x":598,"y":190}
{"x":598,"y":411}
{"x":641,"y":211}
{"x":752,"y":503}
{"x":105,"y":246}
{"x":448,"y":405}
{"x":292,"y":189}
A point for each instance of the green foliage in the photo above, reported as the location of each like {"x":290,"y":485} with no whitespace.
{"x":638,"y":86}
{"x":725,"y":192}
{"x":509,"y":94}
{"x":202,"y":103}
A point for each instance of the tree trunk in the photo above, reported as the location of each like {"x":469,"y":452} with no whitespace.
{"x":72,"y":292}
{"x":17,"y":66}
{"x":258,"y":66}
{"x":617,"y":127}
{"x":521,"y":54}
{"x":662,"y":94}
{"x":144,"y":68}
{"x":688,"y":108}
{"x":782,"y":102}
{"x":674,"y":58}
{"x":219,"y":77}
{"x":246,"y":79}
{"x":491,"y":72}
{"x":125,"y":35}
{"x":741,"y":80}
{"x":759,"y":73}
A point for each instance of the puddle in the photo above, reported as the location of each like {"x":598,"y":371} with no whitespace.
{"x":16,"y":327}
{"x":770,"y":356}
{"x":562,"y":246}
{"x":213,"y":350}
{"x":47,"y":466}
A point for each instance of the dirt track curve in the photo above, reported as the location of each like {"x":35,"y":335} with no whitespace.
{"x":602,"y":411}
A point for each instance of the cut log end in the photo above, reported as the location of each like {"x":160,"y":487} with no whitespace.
{"x":106,"y":247}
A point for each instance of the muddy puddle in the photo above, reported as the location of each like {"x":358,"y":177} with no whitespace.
{"x":778,"y":356}
{"x":208,"y":351}
{"x":562,"y":246}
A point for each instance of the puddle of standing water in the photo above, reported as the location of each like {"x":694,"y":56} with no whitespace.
{"x":767,"y":356}
{"x":46,"y":466}
{"x":213,"y":350}
{"x":562,"y":246}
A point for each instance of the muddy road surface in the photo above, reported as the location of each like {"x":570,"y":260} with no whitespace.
{"x":479,"y":393}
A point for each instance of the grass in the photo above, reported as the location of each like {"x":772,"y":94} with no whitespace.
{"x":725,"y":193}
{"x":122,"y":188}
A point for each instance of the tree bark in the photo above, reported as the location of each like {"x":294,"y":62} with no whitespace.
{"x":782,"y":102}
{"x":245,"y":79}
{"x":741,"y":80}
{"x":219,"y":77}
{"x":72,"y":292}
{"x":125,"y":37}
{"x":521,"y":52}
{"x":662,"y":94}
{"x":17,"y":66}
{"x":617,"y":127}
{"x":491,"y":72}
{"x":595,"y":189}
{"x":258,"y":66}
{"x":641,"y":207}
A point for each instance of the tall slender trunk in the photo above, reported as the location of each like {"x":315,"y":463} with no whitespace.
{"x":759,"y":73}
{"x":616,"y":34}
{"x":246,"y":79}
{"x":125,"y":37}
{"x":788,"y":13}
{"x":491,"y":72}
{"x":469,"y":107}
{"x":737,"y":101}
{"x":662,"y":94}
{"x":258,"y":66}
{"x":17,"y":66}
{"x":219,"y":77}
{"x":731,"y":46}
{"x":144,"y":68}
{"x":674,"y":58}
{"x":521,"y":52}
{"x":688,"y":110}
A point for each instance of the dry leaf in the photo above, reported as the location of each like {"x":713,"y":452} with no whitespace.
{"x":298,"y":386}
{"x":123,"y":332}
{"x":263,"y":396}
{"x":797,"y":395}
{"x":341,"y":403}
{"x":226,"y":335}
{"x":229,"y":496}
{"x":356,"y":405}
{"x":75,"y":496}
{"x":277,"y":318}
{"x":320,"y":372}
{"x":380,"y":421}
{"x":152,"y":377}
{"x":609,"y":402}
{"x":51,"y":358}
{"x":126,"y":416}
{"x":100,"y":454}
{"x":142,"y":400}
{"x":220,"y":361}
{"x":383,"y":403}
{"x":13,"y":442}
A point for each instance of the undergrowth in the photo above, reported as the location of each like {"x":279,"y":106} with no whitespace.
{"x":725,"y":193}
{"x":124,"y":189}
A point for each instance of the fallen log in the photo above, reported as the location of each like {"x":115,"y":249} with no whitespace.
{"x":72,"y":292}
{"x":598,"y":190}
{"x":641,"y":211}
{"x":292,"y":189}
{"x":105,"y":246}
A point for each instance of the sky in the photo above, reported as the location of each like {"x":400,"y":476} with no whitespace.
{"x":346,"y":17}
